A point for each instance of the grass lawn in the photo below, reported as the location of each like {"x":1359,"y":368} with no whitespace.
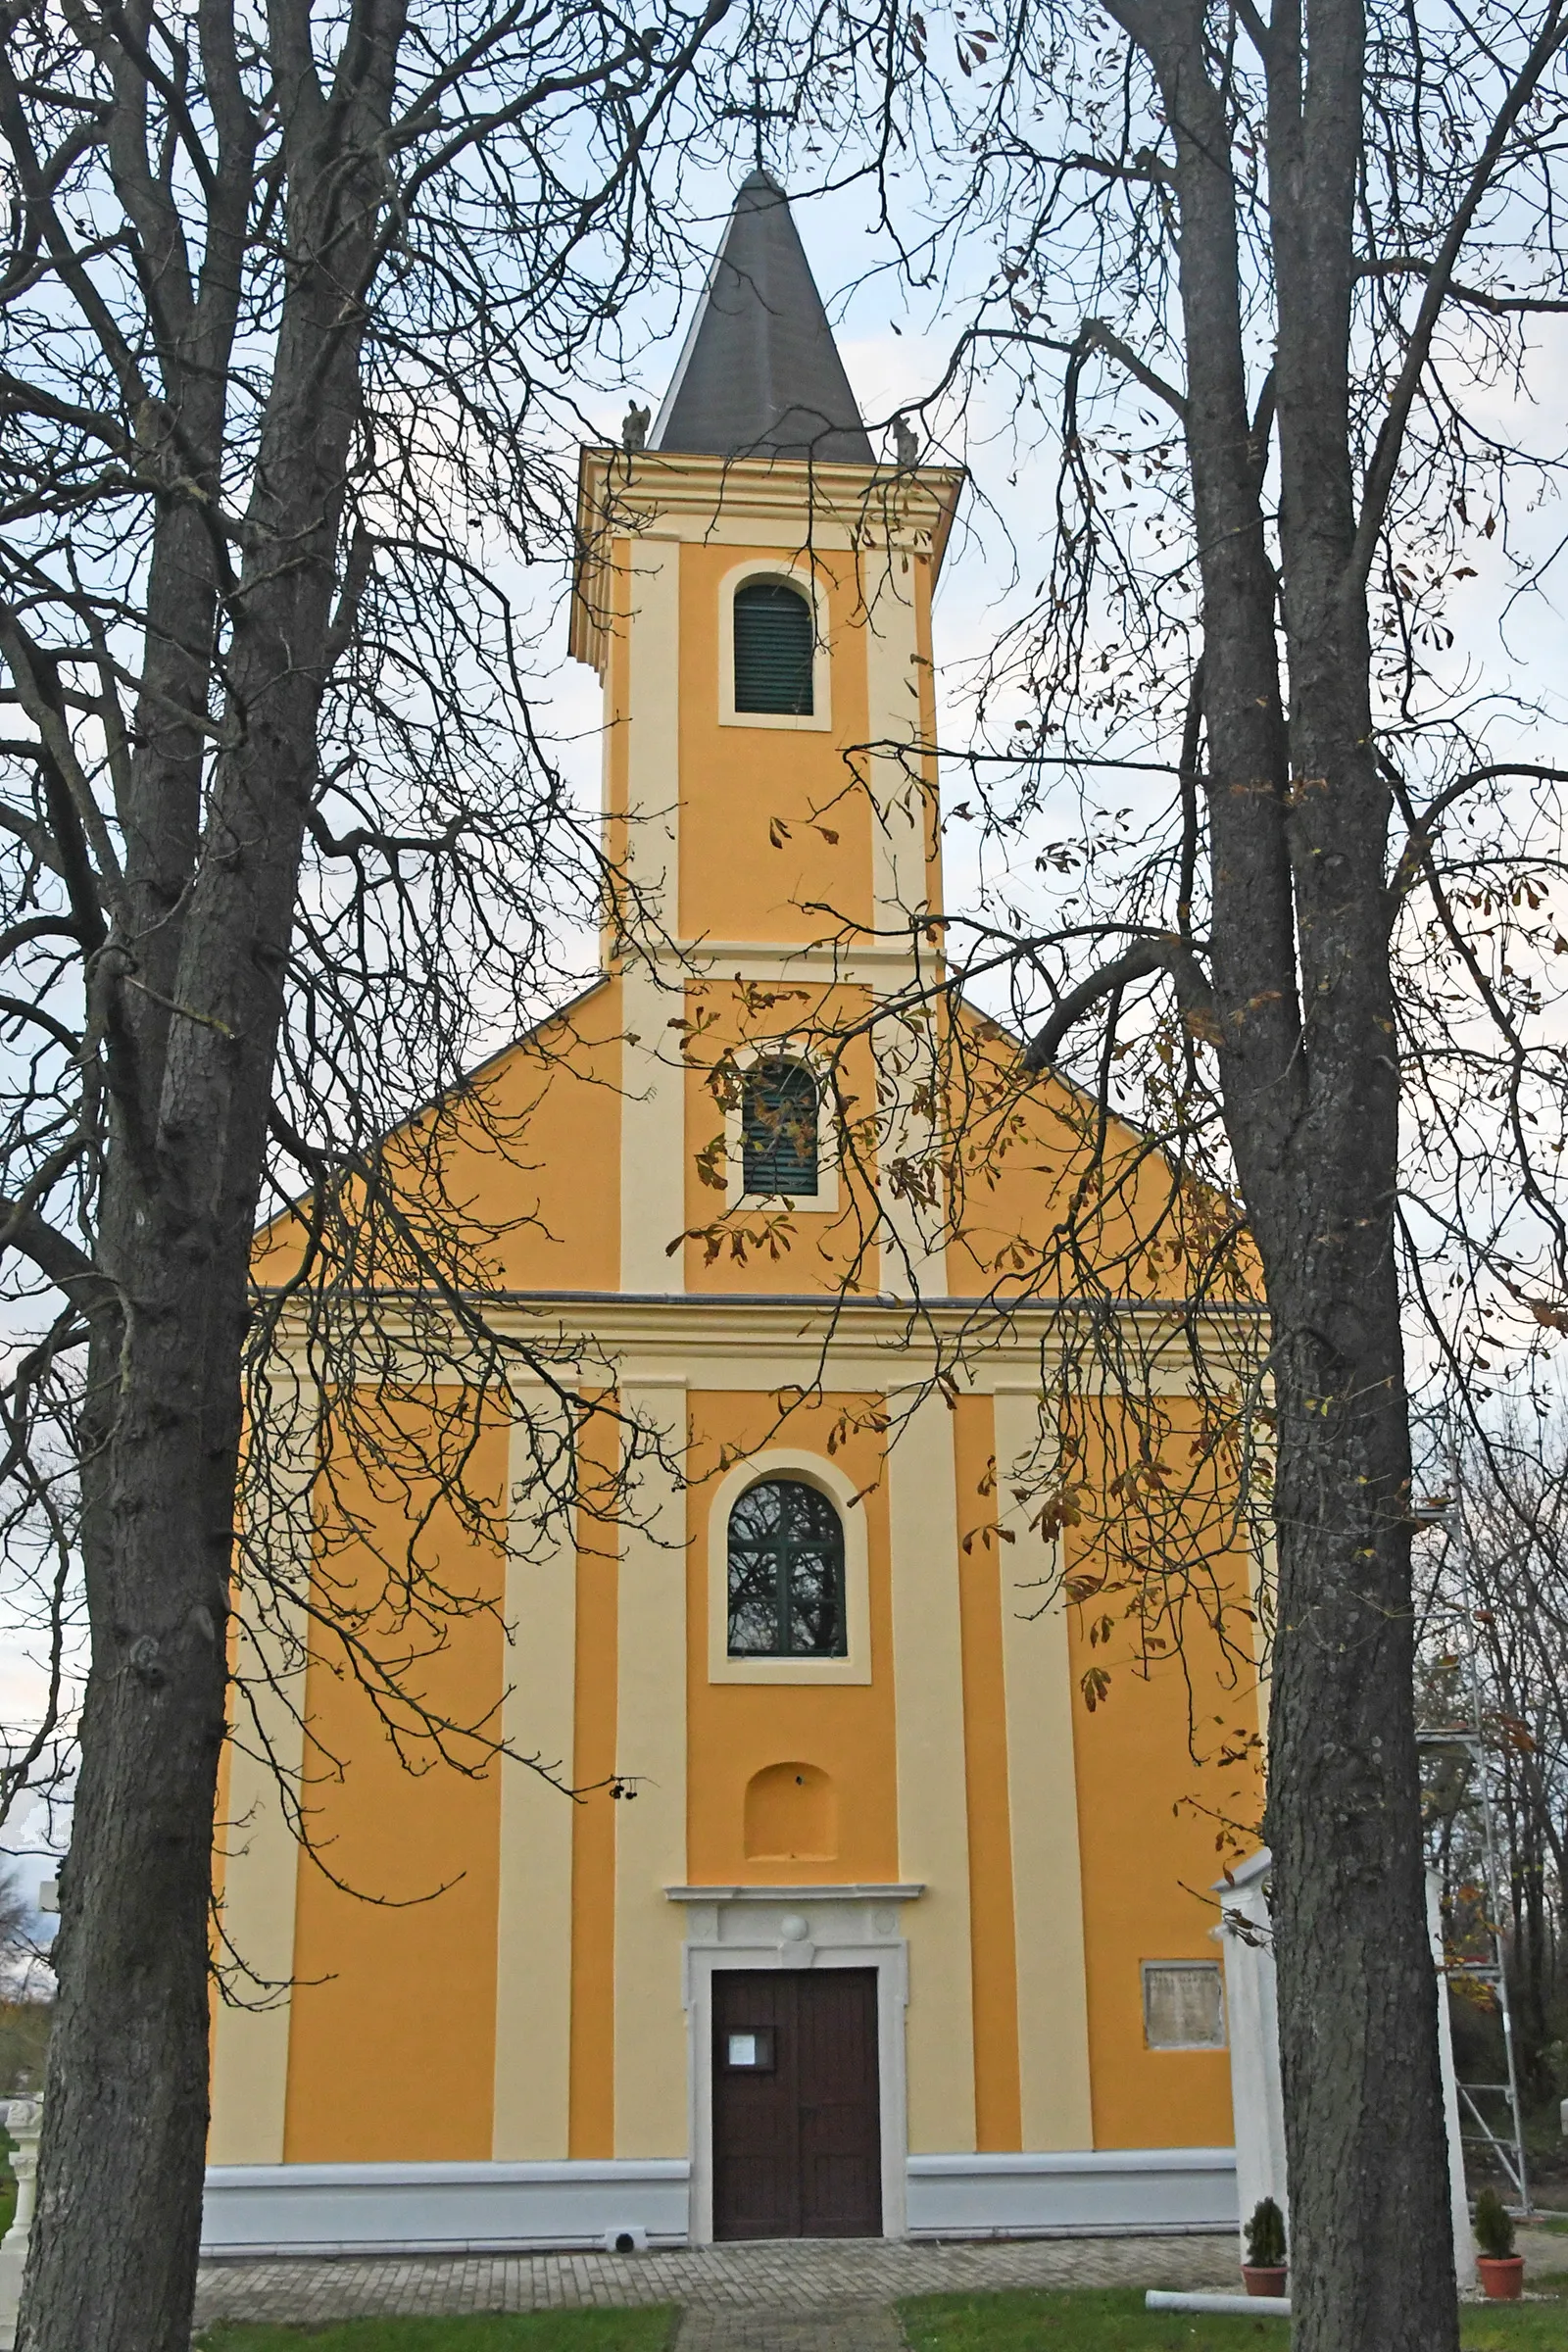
{"x":1113,"y":2320}
{"x":649,"y":2330}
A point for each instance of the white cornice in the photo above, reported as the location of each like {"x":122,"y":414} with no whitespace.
{"x":906,"y":1894}
{"x":774,"y":502}
{"x":886,"y":1345}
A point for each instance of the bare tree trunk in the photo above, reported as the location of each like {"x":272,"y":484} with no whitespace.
{"x":1305,"y":1025}
{"x":114,"y":2243}
{"x":1358,"y":1990}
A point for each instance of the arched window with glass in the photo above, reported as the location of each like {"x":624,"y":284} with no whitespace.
{"x":779,"y":1108}
{"x":776,"y":644}
{"x":786,"y":1573}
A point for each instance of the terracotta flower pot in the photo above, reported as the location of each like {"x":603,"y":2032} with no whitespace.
{"x":1269,"y":2280}
{"x":1502,"y":2276}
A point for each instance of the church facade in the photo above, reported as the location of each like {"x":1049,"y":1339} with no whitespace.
{"x":862,"y":1921}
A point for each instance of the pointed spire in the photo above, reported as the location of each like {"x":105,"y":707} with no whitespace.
{"x":759,"y":374}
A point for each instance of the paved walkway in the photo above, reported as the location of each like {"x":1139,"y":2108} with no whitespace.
{"x":1546,"y":2251}
{"x":841,"y":2328}
{"x":802,"y":2295}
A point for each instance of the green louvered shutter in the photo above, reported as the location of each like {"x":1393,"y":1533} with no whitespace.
{"x":774,"y":646}
{"x":778,"y":1128}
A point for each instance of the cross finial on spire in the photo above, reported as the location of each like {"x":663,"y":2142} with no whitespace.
{"x":758,"y":117}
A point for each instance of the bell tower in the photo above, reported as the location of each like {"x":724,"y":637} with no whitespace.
{"x":755,"y":589}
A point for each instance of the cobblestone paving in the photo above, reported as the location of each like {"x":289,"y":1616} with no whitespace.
{"x":744,"y":2298}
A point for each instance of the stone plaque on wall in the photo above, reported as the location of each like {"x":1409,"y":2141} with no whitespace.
{"x":1184,"y":2007}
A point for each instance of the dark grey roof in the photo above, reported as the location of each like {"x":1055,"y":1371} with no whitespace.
{"x":760,"y":375}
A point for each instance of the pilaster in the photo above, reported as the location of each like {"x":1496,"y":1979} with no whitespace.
{"x":933,"y":1820}
{"x":533,"y":1955}
{"x":651,"y":1761}
{"x":1043,"y":1793}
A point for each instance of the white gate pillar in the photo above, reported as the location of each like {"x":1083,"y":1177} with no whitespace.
{"x":1247,"y":1937}
{"x":24,"y":2120}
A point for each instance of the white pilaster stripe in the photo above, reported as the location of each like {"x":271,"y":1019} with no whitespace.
{"x":913,"y":1258}
{"x":912,"y":1255}
{"x":1043,"y":1797}
{"x":266,"y":1758}
{"x":651,"y":2089}
{"x":933,"y":1825}
{"x":899,"y":885}
{"x":653,"y":728}
{"x":533,"y":1948}
{"x":653,"y":1123}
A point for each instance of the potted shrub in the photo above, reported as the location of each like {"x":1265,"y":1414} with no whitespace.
{"x":1264,"y":2268}
{"x":1502,"y":2271}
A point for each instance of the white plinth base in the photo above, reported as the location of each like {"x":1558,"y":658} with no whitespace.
{"x":345,"y":2208}
{"x":257,"y":2209}
{"x":1078,"y":2192}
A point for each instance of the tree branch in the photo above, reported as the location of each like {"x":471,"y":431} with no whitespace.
{"x":1500,"y":306}
{"x":1165,"y":954}
{"x":1381,"y":472}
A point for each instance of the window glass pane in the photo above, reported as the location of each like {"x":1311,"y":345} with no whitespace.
{"x":786,"y":1573}
{"x":774,"y":636}
{"x":778,"y":1129}
{"x":815,"y":1628}
{"x":753,"y":1604}
{"x":753,"y":1630}
{"x":755,"y":1518}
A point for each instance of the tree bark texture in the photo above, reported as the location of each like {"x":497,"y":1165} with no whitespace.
{"x":1298,"y":823}
{"x":198,"y":959}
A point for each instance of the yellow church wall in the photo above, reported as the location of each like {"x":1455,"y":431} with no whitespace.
{"x":1149,"y":1813}
{"x":528,"y":1160}
{"x":761,"y":804}
{"x":391,"y":2048}
{"x":737,"y":1730}
{"x":554,"y":1194}
{"x":998,"y":2113}
{"x":1027,"y":1153}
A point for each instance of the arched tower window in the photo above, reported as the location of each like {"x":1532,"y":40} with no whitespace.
{"x":775,"y":638}
{"x":786,"y":1573}
{"x":778,"y":1128}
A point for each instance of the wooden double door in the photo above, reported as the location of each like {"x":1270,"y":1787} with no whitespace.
{"x":797,"y":2114}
